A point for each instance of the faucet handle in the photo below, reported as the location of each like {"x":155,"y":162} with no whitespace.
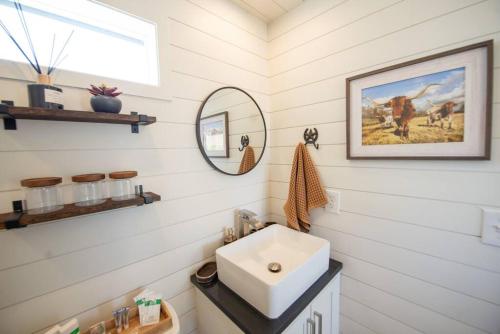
{"x":247,"y":214}
{"x":246,"y":218}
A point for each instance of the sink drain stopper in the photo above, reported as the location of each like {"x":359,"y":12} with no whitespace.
{"x":274,"y":267}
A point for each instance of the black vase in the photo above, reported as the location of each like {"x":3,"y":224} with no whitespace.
{"x":108,"y":104}
{"x":45,"y":96}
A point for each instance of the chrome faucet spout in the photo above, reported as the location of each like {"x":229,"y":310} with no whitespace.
{"x":247,"y":220}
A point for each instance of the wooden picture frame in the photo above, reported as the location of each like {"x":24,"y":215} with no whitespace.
{"x":447,"y":118}
{"x":215,"y":121}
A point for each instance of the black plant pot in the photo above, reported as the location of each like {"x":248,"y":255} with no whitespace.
{"x":45,"y":96}
{"x":109,"y":104}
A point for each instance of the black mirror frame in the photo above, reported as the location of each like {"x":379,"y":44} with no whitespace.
{"x":198,"y":136}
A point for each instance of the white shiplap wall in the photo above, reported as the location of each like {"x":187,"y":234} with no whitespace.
{"x":88,"y":266}
{"x":408,"y":233}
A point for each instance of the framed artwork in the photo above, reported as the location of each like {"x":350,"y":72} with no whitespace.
{"x":436,"y":107}
{"x":215,"y":135}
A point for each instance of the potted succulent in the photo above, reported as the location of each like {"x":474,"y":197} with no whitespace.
{"x":104,"y":99}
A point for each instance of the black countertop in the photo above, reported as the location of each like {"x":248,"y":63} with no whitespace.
{"x":251,"y":321}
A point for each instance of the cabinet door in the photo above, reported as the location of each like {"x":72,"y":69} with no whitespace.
{"x":325,"y":308}
{"x":299,"y":325}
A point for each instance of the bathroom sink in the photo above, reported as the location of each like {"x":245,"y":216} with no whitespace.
{"x":243,"y":267}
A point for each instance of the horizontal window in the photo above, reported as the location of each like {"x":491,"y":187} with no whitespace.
{"x":105,"y":41}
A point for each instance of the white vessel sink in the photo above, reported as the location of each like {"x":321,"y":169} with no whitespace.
{"x":243,"y":267}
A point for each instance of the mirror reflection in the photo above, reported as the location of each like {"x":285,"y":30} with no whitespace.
{"x":231,"y":131}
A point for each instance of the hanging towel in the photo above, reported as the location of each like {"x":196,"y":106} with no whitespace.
{"x":305,"y":191}
{"x":248,"y":160}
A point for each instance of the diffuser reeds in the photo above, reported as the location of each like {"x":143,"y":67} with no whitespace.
{"x":32,"y":58}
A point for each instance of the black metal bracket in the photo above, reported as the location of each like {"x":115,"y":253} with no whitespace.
{"x":244,"y":142}
{"x":9,"y":122}
{"x":143,"y":119}
{"x":310,"y":137}
{"x":135,"y":126}
{"x":14,"y":222}
{"x":148,"y":199}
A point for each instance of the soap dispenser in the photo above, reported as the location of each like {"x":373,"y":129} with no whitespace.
{"x":229,"y":235}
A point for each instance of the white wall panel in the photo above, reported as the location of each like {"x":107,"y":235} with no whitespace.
{"x":88,"y":266}
{"x":406,"y":312}
{"x":347,"y":325}
{"x":441,"y":215}
{"x":397,"y":45}
{"x":479,"y":190}
{"x":236,"y":15}
{"x":409,"y":231}
{"x":307,"y":11}
{"x":446,"y":302}
{"x":459,"y":248}
{"x":188,"y":38}
{"x":354,"y":23}
{"x":370,"y":318}
{"x":338,"y":18}
{"x":197,"y":17}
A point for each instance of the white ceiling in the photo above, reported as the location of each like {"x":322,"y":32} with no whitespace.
{"x":268,"y":10}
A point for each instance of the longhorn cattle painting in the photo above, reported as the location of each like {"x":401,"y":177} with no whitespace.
{"x":415,"y":110}
{"x":436,"y":107}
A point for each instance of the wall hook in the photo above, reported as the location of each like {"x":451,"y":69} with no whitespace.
{"x":310,"y":137}
{"x":244,"y":142}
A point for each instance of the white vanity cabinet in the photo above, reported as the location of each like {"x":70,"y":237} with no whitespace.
{"x":221,"y":310}
{"x":321,"y":316}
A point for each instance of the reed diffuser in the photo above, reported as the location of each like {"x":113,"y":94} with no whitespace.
{"x":41,"y":94}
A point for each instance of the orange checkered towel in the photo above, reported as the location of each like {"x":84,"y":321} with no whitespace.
{"x":248,"y":160}
{"x":305,"y":191}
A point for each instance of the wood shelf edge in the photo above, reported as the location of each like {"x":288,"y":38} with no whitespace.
{"x":71,"y":210}
{"x":76,"y":116}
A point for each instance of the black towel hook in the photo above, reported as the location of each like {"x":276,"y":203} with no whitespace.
{"x":244,"y":142}
{"x":310,"y":137}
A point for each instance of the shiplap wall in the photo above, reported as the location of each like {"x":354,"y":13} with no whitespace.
{"x":408,"y":232}
{"x":86,"y":267}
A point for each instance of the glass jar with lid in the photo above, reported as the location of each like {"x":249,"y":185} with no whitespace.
{"x":42,"y":194}
{"x":122,"y":185}
{"x":89,"y":189}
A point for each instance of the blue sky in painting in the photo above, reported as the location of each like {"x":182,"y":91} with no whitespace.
{"x":451,"y":88}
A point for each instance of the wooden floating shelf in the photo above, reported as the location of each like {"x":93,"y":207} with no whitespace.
{"x":12,"y":113}
{"x":7,"y":220}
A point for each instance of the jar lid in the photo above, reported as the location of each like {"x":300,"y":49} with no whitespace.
{"x":41,"y":182}
{"x":127,"y":174}
{"x":88,"y":177}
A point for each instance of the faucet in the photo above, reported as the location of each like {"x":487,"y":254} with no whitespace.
{"x":246,"y":221}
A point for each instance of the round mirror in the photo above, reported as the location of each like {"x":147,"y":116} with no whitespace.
{"x":231,"y":131}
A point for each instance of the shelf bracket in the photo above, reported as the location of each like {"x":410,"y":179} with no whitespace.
{"x":143,"y":120}
{"x":148,"y":199}
{"x":135,"y":126}
{"x":9,"y":122}
{"x":13,"y":222}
